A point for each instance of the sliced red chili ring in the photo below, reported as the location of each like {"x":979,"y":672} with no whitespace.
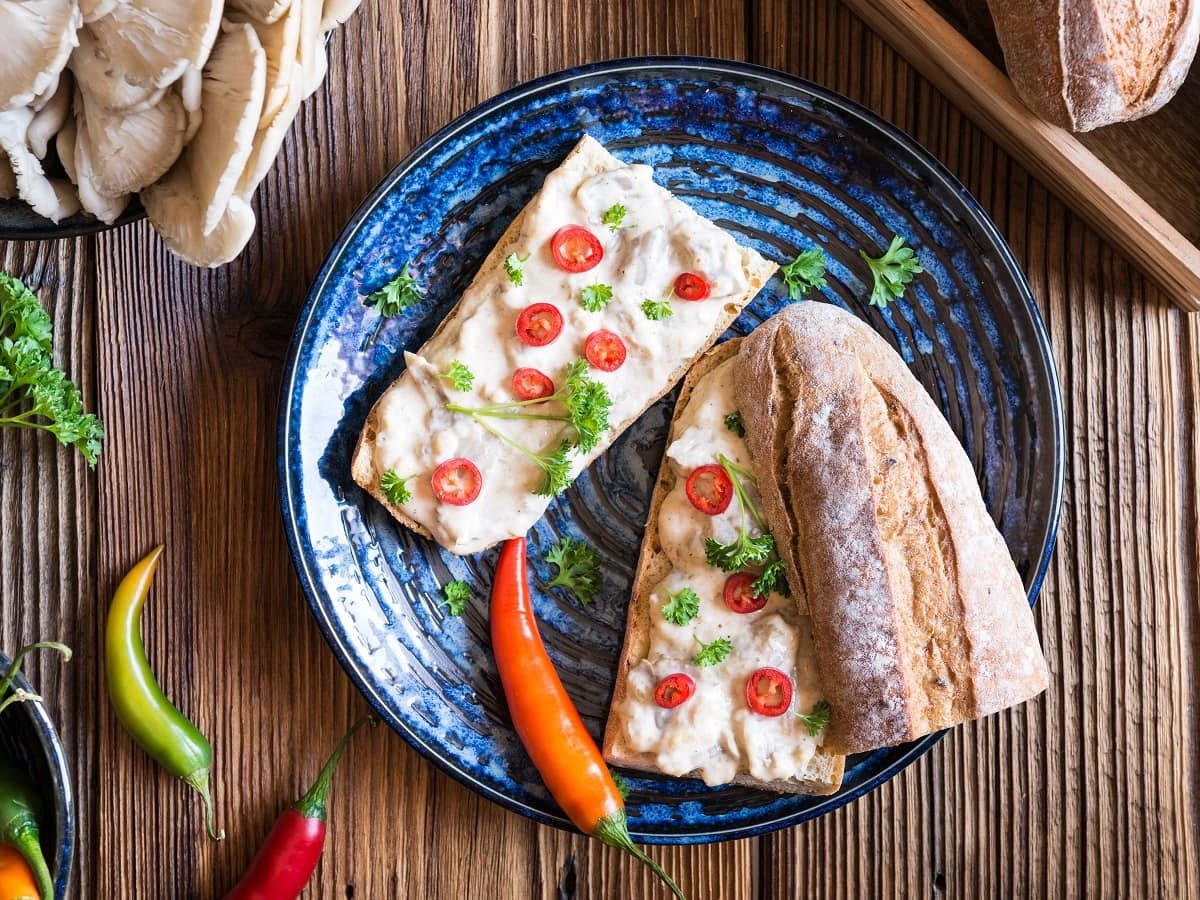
{"x":532,"y":384}
{"x":539,"y":324}
{"x":575,"y":249}
{"x":709,"y":489}
{"x":605,"y":350}
{"x":457,"y":481}
{"x":674,"y":690}
{"x":739,"y":596}
{"x":690,"y":286}
{"x":769,"y":692}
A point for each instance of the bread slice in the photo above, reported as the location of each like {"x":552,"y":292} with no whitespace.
{"x":1082,"y":64}
{"x":589,"y":157}
{"x":824,"y":772}
{"x":920,"y":620}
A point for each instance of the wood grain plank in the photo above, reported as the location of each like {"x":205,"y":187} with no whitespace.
{"x":1082,"y":793}
{"x":47,"y":530}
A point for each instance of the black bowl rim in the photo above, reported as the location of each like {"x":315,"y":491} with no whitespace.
{"x":52,"y":750}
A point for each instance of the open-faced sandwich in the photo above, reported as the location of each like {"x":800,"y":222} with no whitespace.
{"x":596,"y":300}
{"x":819,"y":574}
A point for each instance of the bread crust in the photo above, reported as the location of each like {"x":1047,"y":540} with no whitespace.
{"x":920,"y":619}
{"x":362,"y":467}
{"x":1060,"y":62}
{"x":653,"y":567}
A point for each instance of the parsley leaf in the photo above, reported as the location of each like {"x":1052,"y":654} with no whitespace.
{"x":682,"y":606}
{"x":892,"y":272}
{"x":395,"y":488}
{"x":456,"y":594}
{"x":711,"y":654}
{"x":657,"y":310}
{"x":620,"y":782}
{"x":773,"y":578}
{"x":745,"y":549}
{"x":578,"y":568}
{"x":614,"y":216}
{"x":33,"y":392}
{"x":459,"y":376}
{"x":595,"y":297}
{"x":733,"y":422}
{"x":804,"y":273}
{"x":397,"y":295}
{"x":514,"y":267}
{"x":817,"y":719}
{"x":556,"y":466}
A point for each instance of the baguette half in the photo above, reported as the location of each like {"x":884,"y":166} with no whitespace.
{"x":920,"y":619}
{"x":824,"y":772}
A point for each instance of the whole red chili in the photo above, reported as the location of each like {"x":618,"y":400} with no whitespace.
{"x":546,"y":720}
{"x":289,"y":856}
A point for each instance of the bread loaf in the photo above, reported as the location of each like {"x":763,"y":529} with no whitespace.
{"x":1086,"y":63}
{"x":920,"y":620}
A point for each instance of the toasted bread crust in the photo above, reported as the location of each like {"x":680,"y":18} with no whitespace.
{"x":653,"y":566}
{"x":362,"y":467}
{"x":920,"y":620}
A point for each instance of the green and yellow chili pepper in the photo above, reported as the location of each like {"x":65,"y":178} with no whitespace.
{"x":149,"y":717}
{"x":18,"y":825}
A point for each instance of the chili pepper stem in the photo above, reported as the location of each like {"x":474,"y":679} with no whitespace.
{"x":31,"y":849}
{"x":613,"y":830}
{"x":199,"y":782}
{"x":10,"y":674}
{"x":312,"y":804}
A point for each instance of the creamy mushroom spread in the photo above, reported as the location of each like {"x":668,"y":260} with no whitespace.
{"x":659,"y":237}
{"x":714,"y":732}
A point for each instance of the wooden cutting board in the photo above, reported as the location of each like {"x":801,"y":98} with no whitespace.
{"x":1138,"y":183}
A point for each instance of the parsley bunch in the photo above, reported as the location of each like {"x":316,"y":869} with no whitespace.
{"x":893,"y":271}
{"x":33,"y":392}
{"x":587,"y":404}
{"x":578,"y":568}
{"x":746,"y":550}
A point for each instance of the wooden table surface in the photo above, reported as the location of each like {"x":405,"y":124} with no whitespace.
{"x":1089,"y":791}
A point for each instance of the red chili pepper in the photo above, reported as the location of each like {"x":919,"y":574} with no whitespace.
{"x":546,"y":720}
{"x":287,"y":859}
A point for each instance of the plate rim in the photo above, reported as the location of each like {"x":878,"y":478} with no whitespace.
{"x":978,"y":216}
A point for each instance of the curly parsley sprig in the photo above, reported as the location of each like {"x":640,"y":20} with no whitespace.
{"x":682,"y":606}
{"x":514,"y":268}
{"x":395,"y":488}
{"x":746,"y":549}
{"x":458,"y":376}
{"x":399,"y":294}
{"x":455,"y":597}
{"x":33,"y":392}
{"x":578,"y":568}
{"x":614,"y":217}
{"x":713,"y":653}
{"x":818,"y":719}
{"x":892,"y":272}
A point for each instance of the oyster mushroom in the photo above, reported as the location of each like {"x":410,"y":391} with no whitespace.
{"x":8,"y":178}
{"x":191,"y":91}
{"x":265,"y":11}
{"x":335,"y":12}
{"x":64,"y":144}
{"x":150,"y":43}
{"x":231,"y":102}
{"x":51,"y":198}
{"x":131,"y":150}
{"x":102,"y":81}
{"x":105,"y":206}
{"x":281,"y":42}
{"x":38,"y":37}
{"x":176,"y":212}
{"x":95,"y":9}
{"x":311,"y":55}
{"x":50,"y":118}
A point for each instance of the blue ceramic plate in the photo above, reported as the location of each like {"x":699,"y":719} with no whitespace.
{"x":783,"y":165}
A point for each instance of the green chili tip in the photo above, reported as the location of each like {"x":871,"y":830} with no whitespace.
{"x":198,"y":780}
